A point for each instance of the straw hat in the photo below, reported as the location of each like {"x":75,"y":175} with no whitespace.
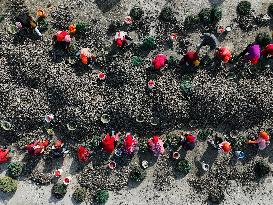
{"x":264,"y":135}
{"x":225,"y":146}
{"x":41,"y":13}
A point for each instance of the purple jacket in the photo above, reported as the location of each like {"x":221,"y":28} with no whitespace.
{"x":254,"y":52}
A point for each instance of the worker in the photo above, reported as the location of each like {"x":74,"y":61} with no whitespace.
{"x":225,"y":147}
{"x":267,"y":52}
{"x":188,"y":141}
{"x":156,"y":145}
{"x":83,"y":154}
{"x":27,"y":21}
{"x":190,"y":58}
{"x":129,"y":143}
{"x":37,"y":147}
{"x":108,"y":143}
{"x":208,"y":40}
{"x":160,"y":61}
{"x":251,"y":53}
{"x":58,"y":149}
{"x":86,"y":56}
{"x":4,"y":155}
{"x":62,"y":39}
{"x":121,"y":38}
{"x":262,"y":141}
{"x":223,"y":54}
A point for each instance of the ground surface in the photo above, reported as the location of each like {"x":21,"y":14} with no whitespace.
{"x":36,"y":81}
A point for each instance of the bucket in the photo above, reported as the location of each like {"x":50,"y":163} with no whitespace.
{"x":205,"y":166}
{"x":154,"y":121}
{"x":5,"y":125}
{"x":67,"y":180}
{"x":176,"y":155}
{"x":112,"y":165}
{"x":105,"y":119}
{"x":38,"y":32}
{"x":49,"y":118}
{"x":101,"y":76}
{"x":140,"y":118}
{"x":193,"y":123}
{"x":228,"y":29}
{"x":144,"y":164}
{"x":71,"y":127}
{"x":118,"y":152}
{"x":239,"y":154}
{"x":58,"y":173}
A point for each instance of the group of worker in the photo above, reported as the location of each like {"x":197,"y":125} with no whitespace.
{"x":129,"y":145}
{"x":63,"y":39}
{"x":37,"y":147}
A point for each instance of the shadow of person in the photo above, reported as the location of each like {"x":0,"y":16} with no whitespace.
{"x":30,"y":164}
{"x":3,"y":167}
{"x":271,"y":24}
{"x":123,"y":160}
{"x":56,"y":98}
{"x":267,"y":152}
{"x":76,"y":166}
{"x":116,"y":79}
{"x":174,"y":164}
{"x":133,"y":184}
{"x":23,"y":34}
{"x":19,"y":37}
{"x":22,"y":78}
{"x":208,"y":157}
{"x":53,"y":164}
{"x":100,"y":158}
{"x":147,"y":156}
{"x":80,"y":69}
{"x":58,"y":54}
{"x":5,"y":197}
{"x":10,"y":137}
{"x":116,"y":52}
{"x":216,"y":2}
{"x":53,"y":199}
{"x":107,"y":5}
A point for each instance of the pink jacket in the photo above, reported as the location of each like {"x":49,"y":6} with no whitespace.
{"x":159,"y":61}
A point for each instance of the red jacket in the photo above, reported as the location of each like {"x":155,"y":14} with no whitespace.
{"x":190,"y":138}
{"x":61,"y":35}
{"x":83,"y":154}
{"x":152,"y":141}
{"x":129,"y":143}
{"x":268,"y":50}
{"x":108,"y":143}
{"x":224,"y":54}
{"x":37,"y":147}
{"x":120,"y":38}
{"x":190,"y":57}
{"x":4,"y":155}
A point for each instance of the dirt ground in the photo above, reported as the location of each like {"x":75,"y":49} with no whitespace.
{"x":180,"y":191}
